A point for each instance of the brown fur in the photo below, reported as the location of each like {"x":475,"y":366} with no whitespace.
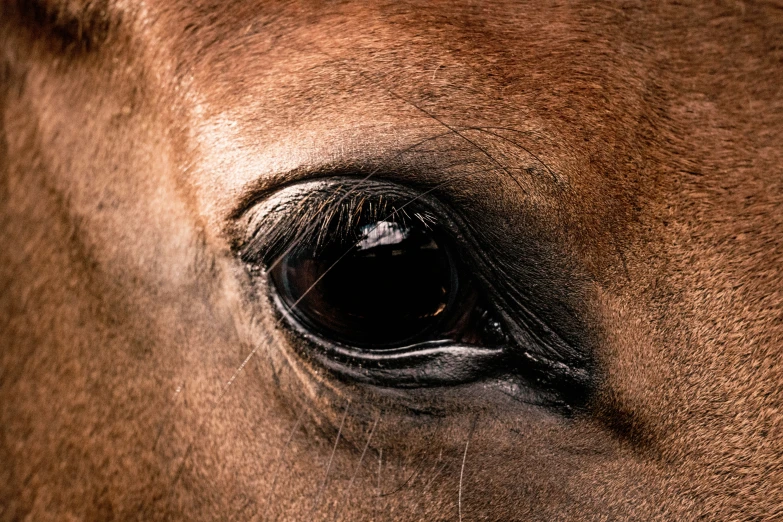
{"x":132,"y":131}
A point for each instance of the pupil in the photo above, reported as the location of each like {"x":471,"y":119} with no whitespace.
{"x":395,"y":285}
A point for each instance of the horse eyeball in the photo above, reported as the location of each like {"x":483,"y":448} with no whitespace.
{"x":386,"y":284}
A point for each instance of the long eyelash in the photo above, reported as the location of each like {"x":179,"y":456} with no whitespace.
{"x":336,"y":214}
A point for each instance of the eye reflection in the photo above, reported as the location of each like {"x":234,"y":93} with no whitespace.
{"x":385,"y":285}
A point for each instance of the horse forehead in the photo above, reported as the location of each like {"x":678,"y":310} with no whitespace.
{"x":547,"y":70}
{"x":503,"y":47}
{"x":632,"y":94}
{"x":602,"y":71}
{"x":600,"y":68}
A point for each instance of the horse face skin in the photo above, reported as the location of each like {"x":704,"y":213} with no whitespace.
{"x":619,"y":164}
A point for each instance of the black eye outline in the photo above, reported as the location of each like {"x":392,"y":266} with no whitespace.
{"x":427,"y":364}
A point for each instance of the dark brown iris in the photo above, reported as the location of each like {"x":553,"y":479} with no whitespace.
{"x":390,"y":285}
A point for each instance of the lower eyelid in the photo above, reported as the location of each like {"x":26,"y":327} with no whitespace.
{"x":436,"y":363}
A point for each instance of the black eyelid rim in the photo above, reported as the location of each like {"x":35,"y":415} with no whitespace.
{"x":426,"y":364}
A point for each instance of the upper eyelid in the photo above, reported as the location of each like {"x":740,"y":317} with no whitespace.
{"x":424,"y":162}
{"x":431,"y":171}
{"x":368,"y":171}
{"x":387,"y":165}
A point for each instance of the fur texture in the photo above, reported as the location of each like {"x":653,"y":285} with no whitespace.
{"x":622,"y":161}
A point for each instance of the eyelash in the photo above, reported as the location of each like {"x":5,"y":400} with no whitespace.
{"x":306,"y":220}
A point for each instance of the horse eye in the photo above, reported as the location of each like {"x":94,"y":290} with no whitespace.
{"x":376,"y":280}
{"x":385,"y":285}
{"x":392,"y":284}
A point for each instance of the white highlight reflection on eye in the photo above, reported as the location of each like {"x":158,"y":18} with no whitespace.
{"x":382,"y":233}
